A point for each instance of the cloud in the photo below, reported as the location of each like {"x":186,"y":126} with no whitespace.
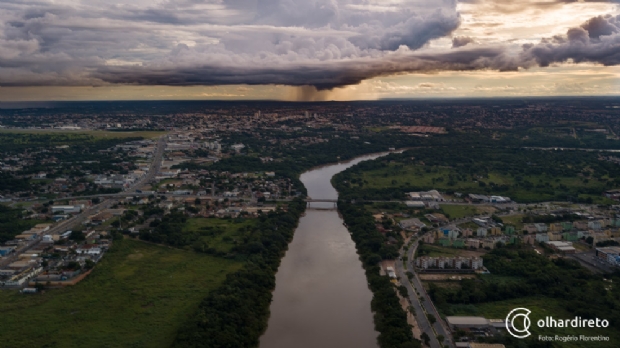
{"x":66,"y":42}
{"x":321,"y":43}
{"x":461,"y":41}
{"x":596,"y":41}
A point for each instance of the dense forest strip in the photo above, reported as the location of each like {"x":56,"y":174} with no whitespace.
{"x":390,"y":319}
{"x":236,"y":314}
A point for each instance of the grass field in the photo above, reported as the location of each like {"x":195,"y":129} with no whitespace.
{"x":459,"y":211}
{"x":97,"y":134}
{"x":515,"y":220}
{"x":541,"y":307}
{"x":138,"y":296}
{"x":423,"y":177}
{"x":436,"y":251}
{"x":220,"y":234}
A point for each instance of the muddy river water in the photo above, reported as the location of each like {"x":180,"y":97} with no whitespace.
{"x":321,"y":298}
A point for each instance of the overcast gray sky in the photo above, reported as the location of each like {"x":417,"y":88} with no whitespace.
{"x":274,"y":49}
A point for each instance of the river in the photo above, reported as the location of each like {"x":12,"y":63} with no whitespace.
{"x":321,"y":297}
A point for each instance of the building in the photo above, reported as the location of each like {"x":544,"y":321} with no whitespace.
{"x":467,"y":323}
{"x":426,"y":262}
{"x":554,"y":236}
{"x":541,"y":227}
{"x":529,"y":239}
{"x":4,"y":251}
{"x":542,"y":237}
{"x":481,"y":232}
{"x":570,"y":236}
{"x":610,"y":255}
{"x":563,"y":247}
{"x":69,"y":209}
{"x":432,"y":195}
{"x":613,"y":194}
{"x":428,"y":238}
{"x":488,"y":243}
{"x":390,"y":272}
{"x":479,"y":198}
{"x":496,"y":231}
{"x":237,"y":147}
{"x":581,"y":225}
{"x":530,"y":228}
{"x":472,"y":243}
{"x":595,"y":225}
{"x":415,"y":204}
{"x":479,"y":222}
{"x":414,"y":223}
{"x":556,"y":227}
{"x":499,"y":199}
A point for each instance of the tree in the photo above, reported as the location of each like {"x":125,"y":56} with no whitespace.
{"x":431,"y":319}
{"x":77,"y":236}
{"x":440,"y":338}
{"x":89,"y":264}
{"x":425,"y":338}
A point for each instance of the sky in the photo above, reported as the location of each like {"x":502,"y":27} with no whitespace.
{"x":307,"y":49}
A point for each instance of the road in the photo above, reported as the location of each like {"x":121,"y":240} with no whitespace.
{"x":590,"y":261}
{"x":415,"y":283}
{"x":420,"y":317}
{"x":81,"y":217}
{"x":155,"y":165}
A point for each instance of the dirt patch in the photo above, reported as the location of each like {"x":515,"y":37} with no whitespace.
{"x":485,"y":209}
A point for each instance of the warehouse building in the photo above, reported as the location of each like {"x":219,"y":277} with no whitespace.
{"x":467,"y":323}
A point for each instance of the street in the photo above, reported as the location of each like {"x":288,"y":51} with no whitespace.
{"x":415,"y":285}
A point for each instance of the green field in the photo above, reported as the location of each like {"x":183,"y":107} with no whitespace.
{"x":436,"y":251}
{"x":459,"y":211}
{"x":541,"y":307}
{"x":424,"y":177}
{"x":138,"y":296}
{"x":515,"y":220}
{"x":97,"y":134}
{"x":220,"y":234}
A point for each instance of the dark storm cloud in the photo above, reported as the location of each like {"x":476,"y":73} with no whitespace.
{"x":322,"y":76}
{"x":185,"y":42}
{"x":323,"y":43}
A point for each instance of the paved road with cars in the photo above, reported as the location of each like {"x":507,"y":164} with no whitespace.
{"x":420,"y":316}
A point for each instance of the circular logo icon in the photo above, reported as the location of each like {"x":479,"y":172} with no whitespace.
{"x":518,"y":322}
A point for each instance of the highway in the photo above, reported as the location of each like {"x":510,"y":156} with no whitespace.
{"x":439,"y":325}
{"x":81,"y":217}
{"x":420,"y":316}
{"x":155,"y":165}
{"x":153,"y":170}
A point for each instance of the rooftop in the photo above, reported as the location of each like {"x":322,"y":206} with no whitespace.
{"x":473,"y":321}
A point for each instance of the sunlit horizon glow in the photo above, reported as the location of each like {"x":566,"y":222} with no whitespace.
{"x":356,"y":49}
